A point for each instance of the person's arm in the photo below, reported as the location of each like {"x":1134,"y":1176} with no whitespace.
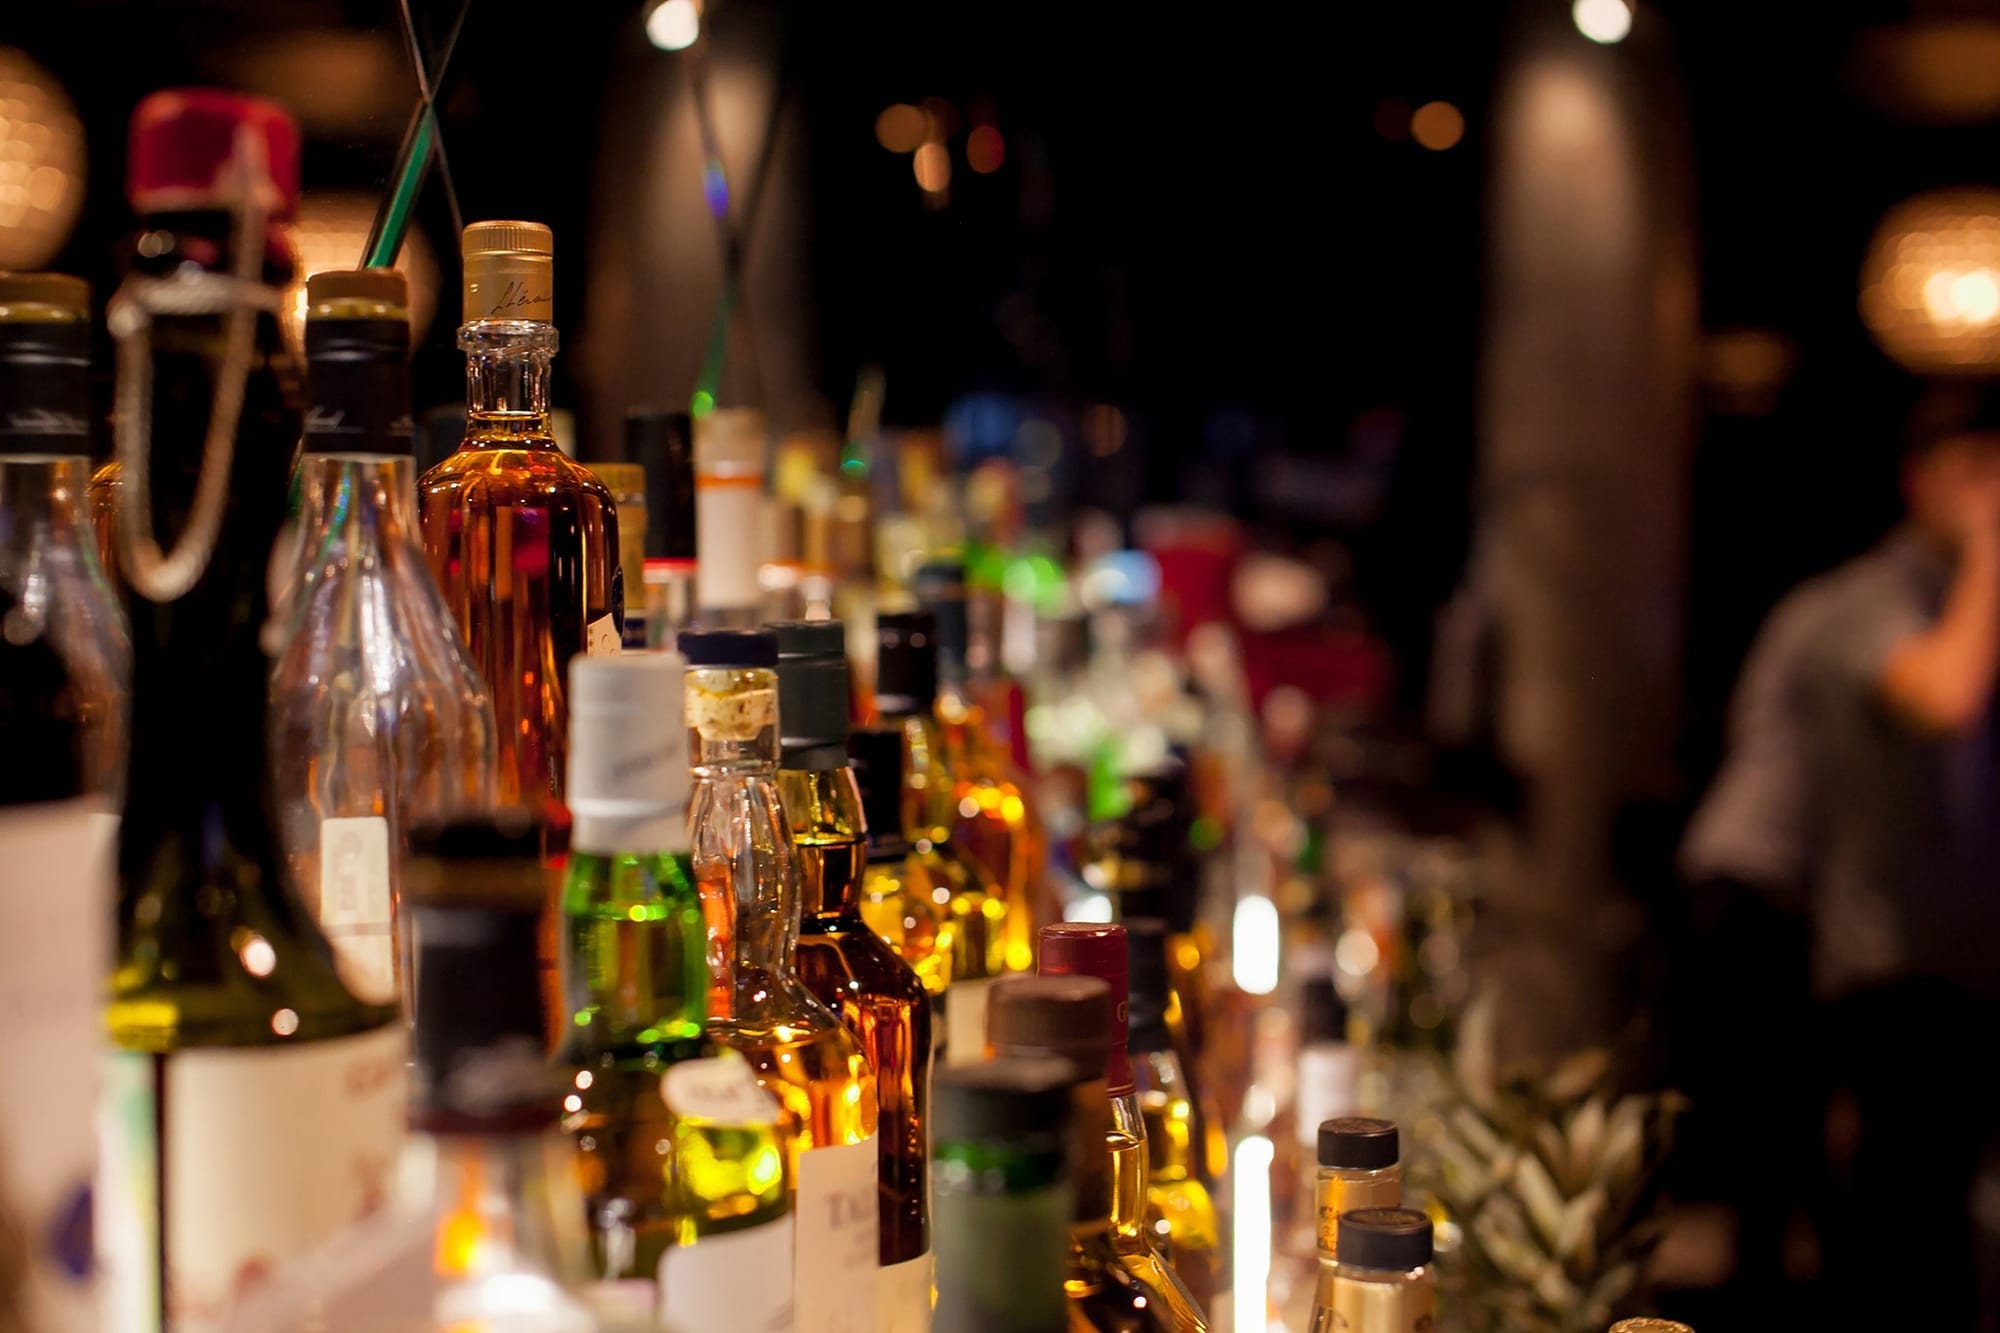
{"x":1942,"y":678}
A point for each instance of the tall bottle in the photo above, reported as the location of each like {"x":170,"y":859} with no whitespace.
{"x":1380,"y":1280}
{"x":662,"y":444}
{"x":523,"y":540}
{"x":378,"y":719}
{"x":905,"y":695}
{"x":847,"y":966}
{"x":682,"y":1153}
{"x":730,"y":457}
{"x":48,"y":549}
{"x":55,"y":895}
{"x":235,"y":1039}
{"x":799,"y":1049}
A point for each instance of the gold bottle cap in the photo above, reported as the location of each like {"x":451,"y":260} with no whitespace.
{"x":43,"y":296}
{"x":1649,"y":1326}
{"x":509,"y":271}
{"x":357,"y":293}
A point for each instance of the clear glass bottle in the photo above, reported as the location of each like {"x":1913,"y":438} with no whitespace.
{"x":906,"y":696}
{"x":682,"y":1154}
{"x":378,"y":719}
{"x":916,"y":928}
{"x":799,"y":1049}
{"x":234,"y":1039}
{"x":48,"y":551}
{"x":1381,"y":1282}
{"x":523,"y":540}
{"x":849,"y":967}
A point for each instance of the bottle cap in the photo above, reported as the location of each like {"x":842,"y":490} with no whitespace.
{"x":1063,"y":1018}
{"x":38,"y":297}
{"x":742,"y":648}
{"x":628,"y":753}
{"x":509,"y":271}
{"x":729,"y":444}
{"x":812,"y":693}
{"x":362,"y":288}
{"x":1151,"y":983}
{"x":200,"y":149}
{"x":662,"y":443}
{"x":1016,"y":1099}
{"x":1356,"y":1143}
{"x":1323,"y":1013}
{"x":44,"y":364}
{"x":1397,"y":1239}
{"x":1650,"y":1326}
{"x":1086,"y":948}
{"x":906,"y":663}
{"x":939,"y":586}
{"x":877,"y":757}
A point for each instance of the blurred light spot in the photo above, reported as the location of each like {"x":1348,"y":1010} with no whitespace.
{"x":933,"y":168}
{"x":674,"y":24}
{"x":572,"y":1103}
{"x":1254,"y":937}
{"x":258,"y":956}
{"x":1962,"y":296}
{"x":985,"y":150}
{"x":715,"y":188}
{"x":1252,"y":1256}
{"x":330,"y":232}
{"x":583,"y":1079}
{"x":1089,"y":907}
{"x":901,"y":128}
{"x":1105,"y":429}
{"x":1930,"y":285}
{"x":1356,"y":954}
{"x":1437,"y":126}
{"x":1603,"y":21}
{"x":968,"y":807}
{"x":41,"y":163}
{"x":285,"y":1022}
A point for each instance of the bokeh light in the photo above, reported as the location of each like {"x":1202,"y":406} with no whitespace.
{"x":41,"y":163}
{"x":1930,"y":285}
{"x":985,"y":150}
{"x":1437,"y":126}
{"x":933,"y":168}
{"x":901,"y":128}
{"x":329,"y":233}
{"x":1603,"y":21}
{"x":674,"y":24}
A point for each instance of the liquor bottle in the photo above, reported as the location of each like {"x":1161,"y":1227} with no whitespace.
{"x":55,"y":895}
{"x":523,"y":540}
{"x":661,"y":443}
{"x":995,"y":817}
{"x":48,"y":551}
{"x":1359,"y":1167}
{"x":895,"y":904}
{"x":1181,"y":1208}
{"x":627,"y":484}
{"x":799,"y":1049}
{"x":682,"y":1155}
{"x":847,"y":966}
{"x":1328,"y":1068}
{"x":236,"y":1041}
{"x":905,"y":696}
{"x":729,"y":460}
{"x":1003,"y":1195}
{"x":1381,"y":1281}
{"x":379,"y":720}
{"x":1116,"y":1278}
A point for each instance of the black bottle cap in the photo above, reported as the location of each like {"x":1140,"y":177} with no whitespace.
{"x":727,"y":647}
{"x":906,"y":664}
{"x":1356,"y":1143}
{"x":663,"y":444}
{"x":877,"y":755}
{"x":1397,"y":1239}
{"x":44,"y":386}
{"x":1323,"y":1013}
{"x":1019,"y":1099}
{"x":812,"y":693}
{"x":939,"y":586}
{"x":1150,"y":983}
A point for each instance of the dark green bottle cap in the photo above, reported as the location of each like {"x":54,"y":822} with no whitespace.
{"x":812,"y":693}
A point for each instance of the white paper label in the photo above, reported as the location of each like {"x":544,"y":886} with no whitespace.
{"x":55,"y":918}
{"x":1327,"y":1077}
{"x":721,"y":1089}
{"x":904,"y":1302}
{"x":839,"y":1213}
{"x":727,"y":521}
{"x":267,"y":1151}
{"x":354,"y":904}
{"x":601,"y":639}
{"x":965,"y":1022}
{"x":729,"y":1283}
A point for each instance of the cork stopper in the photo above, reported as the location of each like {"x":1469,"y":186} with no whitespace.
{"x":53,"y":297}
{"x":509,"y":271}
{"x":357,"y":293}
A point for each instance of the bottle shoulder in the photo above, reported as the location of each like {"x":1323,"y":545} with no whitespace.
{"x":855,"y":960}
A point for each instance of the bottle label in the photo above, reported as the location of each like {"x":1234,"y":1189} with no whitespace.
{"x":236,"y":1159}
{"x":55,"y":942}
{"x":725,"y":1282}
{"x":602,"y":638}
{"x":839,"y":1218}
{"x":1394,"y":1307}
{"x":354,"y":906}
{"x":720,"y":1089}
{"x":1327,"y":1076}
{"x":965,"y":1021}
{"x":904,"y":1295}
{"x":728,"y":511}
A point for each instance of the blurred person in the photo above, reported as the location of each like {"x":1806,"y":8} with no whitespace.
{"x":1858,"y":797}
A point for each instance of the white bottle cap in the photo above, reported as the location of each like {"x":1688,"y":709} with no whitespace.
{"x":729,"y":450}
{"x":628,"y":755}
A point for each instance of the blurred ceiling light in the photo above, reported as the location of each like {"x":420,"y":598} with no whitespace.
{"x":900,"y":128}
{"x":41,"y":163}
{"x":1437,"y":126}
{"x":334,"y":81}
{"x":933,"y":168}
{"x":1930,"y":285}
{"x":1938,"y":71}
{"x":1603,"y":21}
{"x":329,"y":233}
{"x":1104,"y":429}
{"x":985,"y":150}
{"x":673,"y":25}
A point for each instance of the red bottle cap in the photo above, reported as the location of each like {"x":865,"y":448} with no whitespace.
{"x":195,"y":149}
{"x":1088,"y":949}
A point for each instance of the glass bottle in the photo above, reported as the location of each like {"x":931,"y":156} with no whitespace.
{"x":682,"y":1154}
{"x":234,"y":1039}
{"x":54,"y":937}
{"x":661,"y":443}
{"x":378,"y":719}
{"x":1003,"y":1195}
{"x":1381,"y":1282}
{"x":730,"y":457}
{"x":523,"y":540}
{"x":799,"y":1049}
{"x":916,"y":928}
{"x":847,"y":966}
{"x":905,"y":696}
{"x":48,"y":552}
{"x":627,"y":484}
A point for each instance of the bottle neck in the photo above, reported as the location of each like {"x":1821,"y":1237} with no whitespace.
{"x":507,"y":364}
{"x":749,"y":880}
{"x":1126,"y":1144}
{"x":636,"y":968}
{"x":823,"y":811}
{"x":41,"y":499}
{"x":357,"y":501}
{"x":929,"y":803}
{"x":358,"y":387}
{"x":44,"y":387}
